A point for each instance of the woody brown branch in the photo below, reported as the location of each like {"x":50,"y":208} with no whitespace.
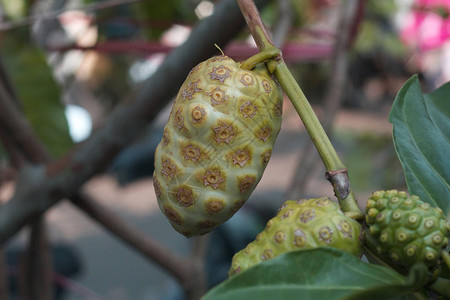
{"x":35,"y":272}
{"x":41,"y":186}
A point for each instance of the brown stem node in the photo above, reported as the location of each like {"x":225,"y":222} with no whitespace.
{"x":340,"y":182}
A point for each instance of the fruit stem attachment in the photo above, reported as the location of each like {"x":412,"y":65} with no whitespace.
{"x":336,"y":171}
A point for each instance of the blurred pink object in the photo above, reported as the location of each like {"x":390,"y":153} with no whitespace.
{"x":428,"y":25}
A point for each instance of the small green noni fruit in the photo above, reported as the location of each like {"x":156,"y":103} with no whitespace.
{"x":216,"y":144}
{"x":405,"y":230}
{"x":301,"y":224}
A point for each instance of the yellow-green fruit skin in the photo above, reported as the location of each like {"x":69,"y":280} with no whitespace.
{"x":403,"y":230}
{"x":216,"y":144}
{"x":301,"y":224}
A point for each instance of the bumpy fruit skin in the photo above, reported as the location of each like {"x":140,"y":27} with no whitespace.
{"x":404,"y":230}
{"x":216,"y":144}
{"x":301,"y":224}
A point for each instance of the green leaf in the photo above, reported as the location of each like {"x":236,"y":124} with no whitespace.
{"x":422,"y":141}
{"x":320,"y":273}
{"x":39,"y":95}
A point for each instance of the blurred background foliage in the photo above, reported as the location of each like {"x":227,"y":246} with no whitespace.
{"x":96,"y":57}
{"x":379,"y":63}
{"x":37,"y":90}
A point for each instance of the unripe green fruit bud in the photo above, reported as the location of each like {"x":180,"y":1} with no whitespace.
{"x":216,"y":144}
{"x":301,"y":224}
{"x":404,"y":230}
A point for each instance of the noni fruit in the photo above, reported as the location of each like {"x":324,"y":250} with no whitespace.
{"x":301,"y":224}
{"x":216,"y":144}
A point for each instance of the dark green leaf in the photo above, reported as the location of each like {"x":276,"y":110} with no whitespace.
{"x":422,"y":141}
{"x":321,"y":273}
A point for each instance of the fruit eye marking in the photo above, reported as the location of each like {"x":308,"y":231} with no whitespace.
{"x":173,"y":215}
{"x":429,"y":255}
{"x":185,"y":196}
{"x":224,"y":132}
{"x":246,"y":183}
{"x":266,"y":156}
{"x":237,"y":205}
{"x":384,"y":237}
{"x":212,"y":179}
{"x":267,"y":254}
{"x":411,"y":250}
{"x":266,"y":85}
{"x":206,"y":224}
{"x":325,"y":234}
{"x":402,"y":236}
{"x":221,"y":73}
{"x":301,"y":201}
{"x":429,"y":224}
{"x":218,"y":96}
{"x":197,"y":114}
{"x":157,"y":187}
{"x":247,"y":109}
{"x":247,"y":80}
{"x":437,"y":239}
{"x":397,"y":215}
{"x":307,"y":215}
{"x":190,"y":90}
{"x":287,"y":214}
{"x":168,"y":168}
{"x":214,"y":206}
{"x":345,"y":228}
{"x":264,"y":133}
{"x":278,"y":109}
{"x":323,"y":202}
{"x":279,"y":236}
{"x":178,"y":120}
{"x":191,"y":152}
{"x":299,"y":238}
{"x":240,"y":157}
{"x":165,"y":138}
{"x":413,"y":219}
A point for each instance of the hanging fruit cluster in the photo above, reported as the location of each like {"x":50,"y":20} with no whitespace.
{"x":216,"y":144}
{"x":405,"y":230}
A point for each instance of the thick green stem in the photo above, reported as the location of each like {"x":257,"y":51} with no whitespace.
{"x":336,"y":171}
{"x":309,"y":118}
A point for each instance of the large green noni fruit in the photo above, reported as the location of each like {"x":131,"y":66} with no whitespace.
{"x":404,"y":230}
{"x":216,"y":144}
{"x":301,"y":224}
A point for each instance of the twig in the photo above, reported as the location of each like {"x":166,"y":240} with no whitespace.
{"x":56,"y":13}
{"x":333,"y":96}
{"x":37,"y":269}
